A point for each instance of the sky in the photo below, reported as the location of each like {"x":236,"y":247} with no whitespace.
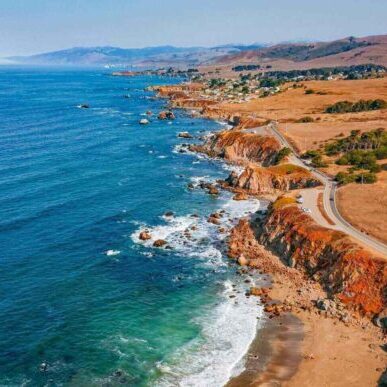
{"x":35,"y":26}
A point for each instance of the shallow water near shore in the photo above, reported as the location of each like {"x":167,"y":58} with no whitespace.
{"x":79,"y":291}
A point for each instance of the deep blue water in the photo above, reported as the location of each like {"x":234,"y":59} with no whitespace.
{"x":77,"y":290}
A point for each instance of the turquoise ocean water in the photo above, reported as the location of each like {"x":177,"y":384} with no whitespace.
{"x":82,"y":300}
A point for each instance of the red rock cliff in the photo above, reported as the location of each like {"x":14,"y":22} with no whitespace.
{"x":285,"y":177}
{"x":241,"y":147}
{"x":345,"y":269}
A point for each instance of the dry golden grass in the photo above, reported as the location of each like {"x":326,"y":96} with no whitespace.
{"x":292,"y":104}
{"x":313,"y":135}
{"x":365,"y":206}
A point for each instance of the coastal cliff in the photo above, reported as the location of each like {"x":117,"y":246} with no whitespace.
{"x":343,"y":268}
{"x":285,"y":177}
{"x":241,"y":147}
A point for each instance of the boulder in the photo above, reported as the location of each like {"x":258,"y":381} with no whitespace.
{"x":213,"y":190}
{"x":240,"y":196}
{"x":159,"y":243}
{"x":166,"y":115}
{"x":243,"y":261}
{"x":144,"y":235}
{"x":258,"y":291}
{"x":213,"y":220}
{"x":184,"y":135}
{"x":143,"y":121}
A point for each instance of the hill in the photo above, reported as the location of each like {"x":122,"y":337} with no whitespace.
{"x":343,"y":52}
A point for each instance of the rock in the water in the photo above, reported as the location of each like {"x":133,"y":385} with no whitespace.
{"x":213,"y":220}
{"x":166,"y":115}
{"x":213,"y":190}
{"x":84,"y":106}
{"x":143,"y":121}
{"x":159,"y":243}
{"x":185,"y":135}
{"x":169,"y":214}
{"x":240,"y":196}
{"x":144,"y":235}
{"x":232,"y":179}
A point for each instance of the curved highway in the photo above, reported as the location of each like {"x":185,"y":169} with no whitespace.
{"x":329,"y":197}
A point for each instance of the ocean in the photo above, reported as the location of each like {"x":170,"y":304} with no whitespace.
{"x":84,"y":302}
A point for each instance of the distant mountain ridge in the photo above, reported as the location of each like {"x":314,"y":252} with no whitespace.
{"x":341,"y":52}
{"x":133,"y":56}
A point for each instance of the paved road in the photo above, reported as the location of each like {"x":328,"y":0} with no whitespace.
{"x":329,"y":197}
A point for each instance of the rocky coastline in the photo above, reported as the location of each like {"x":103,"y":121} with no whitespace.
{"x":323,"y":282}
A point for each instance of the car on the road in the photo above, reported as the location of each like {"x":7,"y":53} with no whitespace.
{"x":300,"y":200}
{"x":307,"y":210}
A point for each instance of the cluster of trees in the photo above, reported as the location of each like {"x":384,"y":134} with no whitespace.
{"x":216,"y":82}
{"x":361,"y":151}
{"x":360,"y":159}
{"x":250,"y":67}
{"x":270,"y":82}
{"x":316,"y":158}
{"x":362,"y":178}
{"x":373,"y":140}
{"x":359,"y":106}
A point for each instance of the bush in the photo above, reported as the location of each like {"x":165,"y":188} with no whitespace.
{"x":305,"y":119}
{"x":345,"y":178}
{"x":318,"y":162}
{"x":309,"y":91}
{"x":310,"y":154}
{"x":366,"y":178}
{"x":284,"y":152}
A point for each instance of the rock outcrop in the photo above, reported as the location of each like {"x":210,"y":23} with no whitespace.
{"x":241,"y":147}
{"x":344,"y":269}
{"x":285,"y":177}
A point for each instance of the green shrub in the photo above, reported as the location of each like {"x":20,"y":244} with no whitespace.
{"x":305,"y":119}
{"x":284,"y":152}
{"x":309,"y":91}
{"x":310,"y":154}
{"x":345,"y":178}
{"x":366,"y":178}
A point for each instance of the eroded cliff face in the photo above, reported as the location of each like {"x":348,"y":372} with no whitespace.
{"x":285,"y":177}
{"x":341,"y":266}
{"x":241,"y":147}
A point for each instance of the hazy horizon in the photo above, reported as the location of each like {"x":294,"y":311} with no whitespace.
{"x":32,"y":27}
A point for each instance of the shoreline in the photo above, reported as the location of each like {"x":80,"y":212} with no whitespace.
{"x":282,"y":350}
{"x":274,"y":355}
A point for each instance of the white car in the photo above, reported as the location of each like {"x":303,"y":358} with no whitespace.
{"x":300,"y":200}
{"x":307,"y":210}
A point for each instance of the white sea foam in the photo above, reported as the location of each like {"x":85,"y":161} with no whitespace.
{"x":217,"y":353}
{"x":112,"y":253}
{"x":228,"y":329}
